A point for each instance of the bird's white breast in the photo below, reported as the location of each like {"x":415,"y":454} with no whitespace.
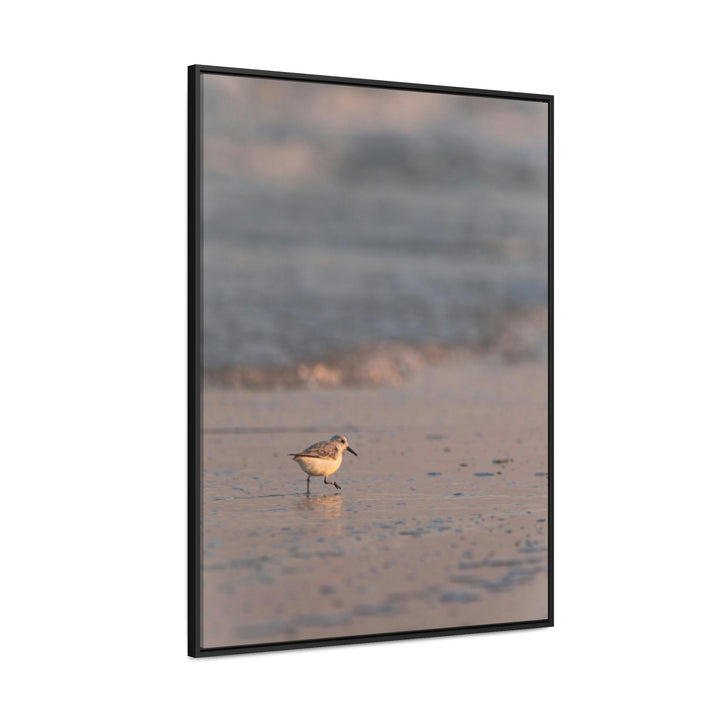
{"x":319,"y":466}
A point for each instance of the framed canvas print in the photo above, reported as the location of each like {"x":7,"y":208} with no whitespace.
{"x":370,"y":360}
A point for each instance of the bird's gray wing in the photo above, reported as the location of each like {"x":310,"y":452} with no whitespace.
{"x":322,"y":449}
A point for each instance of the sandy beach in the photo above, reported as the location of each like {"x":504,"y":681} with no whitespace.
{"x":441,"y":520}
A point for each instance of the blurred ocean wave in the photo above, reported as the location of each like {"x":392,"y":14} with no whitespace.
{"x":521,"y":337}
{"x":340,"y":218}
{"x":290,"y":275}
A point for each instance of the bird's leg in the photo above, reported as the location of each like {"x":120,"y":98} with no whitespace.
{"x":308,"y":485}
{"x":331,"y":483}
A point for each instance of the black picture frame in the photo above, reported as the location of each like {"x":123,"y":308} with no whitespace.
{"x":195,"y":366}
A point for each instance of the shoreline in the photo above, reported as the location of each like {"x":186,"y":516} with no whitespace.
{"x":522,"y":337}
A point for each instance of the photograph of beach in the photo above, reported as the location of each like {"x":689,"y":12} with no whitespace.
{"x":375,"y":379}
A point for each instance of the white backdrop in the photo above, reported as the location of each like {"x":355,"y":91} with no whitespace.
{"x":93,"y":362}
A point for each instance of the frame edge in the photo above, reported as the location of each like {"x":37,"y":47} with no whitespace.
{"x":386,"y":84}
{"x":193,"y":377}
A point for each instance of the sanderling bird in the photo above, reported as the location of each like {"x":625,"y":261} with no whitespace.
{"x":323,"y":458}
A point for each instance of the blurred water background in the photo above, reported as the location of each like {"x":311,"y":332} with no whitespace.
{"x":338,"y":216}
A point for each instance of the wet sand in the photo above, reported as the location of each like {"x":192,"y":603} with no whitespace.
{"x":441,"y":520}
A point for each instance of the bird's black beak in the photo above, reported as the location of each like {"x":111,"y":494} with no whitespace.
{"x":349,"y":449}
